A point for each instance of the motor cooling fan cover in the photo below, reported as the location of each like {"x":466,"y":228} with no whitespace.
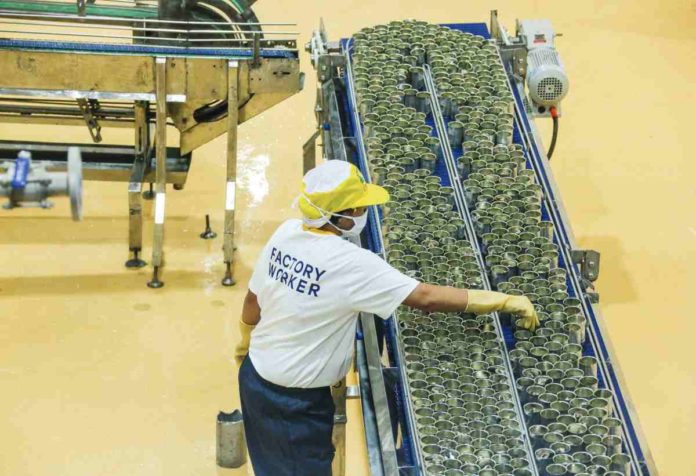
{"x":546,"y":77}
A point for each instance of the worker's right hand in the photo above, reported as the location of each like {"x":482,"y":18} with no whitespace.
{"x":483,"y":302}
{"x":522,"y":306}
{"x":242,"y":348}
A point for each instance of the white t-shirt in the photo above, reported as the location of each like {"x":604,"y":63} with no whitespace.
{"x":310,"y":288}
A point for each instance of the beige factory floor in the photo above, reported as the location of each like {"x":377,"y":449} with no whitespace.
{"x":101,"y":375}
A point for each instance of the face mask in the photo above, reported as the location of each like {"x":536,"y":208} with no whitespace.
{"x":359,"y":223}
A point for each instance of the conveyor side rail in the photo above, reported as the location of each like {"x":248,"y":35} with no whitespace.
{"x":597,"y":343}
{"x":375,"y":244}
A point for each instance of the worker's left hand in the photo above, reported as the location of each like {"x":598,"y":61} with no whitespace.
{"x":242,"y":348}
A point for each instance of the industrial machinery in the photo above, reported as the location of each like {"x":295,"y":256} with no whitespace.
{"x":534,"y":60}
{"x":538,"y":62}
{"x":28,"y":184}
{"x":439,"y":115}
{"x":200,"y":66}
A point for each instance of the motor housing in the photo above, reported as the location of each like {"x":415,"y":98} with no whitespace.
{"x":546,"y":77}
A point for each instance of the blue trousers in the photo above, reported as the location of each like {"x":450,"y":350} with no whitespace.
{"x":288,"y":430}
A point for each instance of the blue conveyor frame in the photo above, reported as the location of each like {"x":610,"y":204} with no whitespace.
{"x":597,"y":342}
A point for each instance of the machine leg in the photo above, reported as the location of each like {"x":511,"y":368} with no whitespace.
{"x":135,"y":225}
{"x":160,"y":173}
{"x":231,"y":191}
{"x":149,"y":194}
{"x":135,"y":204}
{"x":309,"y":152}
{"x":338,"y":392}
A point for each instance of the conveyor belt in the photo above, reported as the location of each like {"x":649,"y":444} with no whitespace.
{"x":444,"y":170}
{"x":462,"y":206}
{"x":43,"y":7}
{"x":410,"y":456}
{"x":76,"y":47}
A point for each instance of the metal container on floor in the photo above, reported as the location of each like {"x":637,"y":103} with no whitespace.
{"x":231,"y":442}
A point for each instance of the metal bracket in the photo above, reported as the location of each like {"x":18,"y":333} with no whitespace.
{"x":329,"y":120}
{"x":511,"y":48}
{"x":256,"y":62}
{"x":494,"y":25}
{"x":338,"y":393}
{"x":588,"y":260}
{"x":375,"y":370}
{"x":82,"y":6}
{"x":519,"y":61}
{"x":327,"y":63}
{"x":325,"y":55}
{"x":589,"y":290}
{"x":309,"y":155}
{"x":353,"y":392}
{"x":88,"y":107}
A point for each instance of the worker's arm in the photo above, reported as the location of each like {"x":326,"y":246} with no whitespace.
{"x":251,"y":315}
{"x":251,"y":312}
{"x":431,"y":298}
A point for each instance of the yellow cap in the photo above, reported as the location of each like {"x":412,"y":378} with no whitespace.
{"x":335,"y":186}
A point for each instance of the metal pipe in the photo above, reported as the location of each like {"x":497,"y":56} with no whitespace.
{"x":88,"y":18}
{"x":134,"y":37}
{"x":136,"y":28}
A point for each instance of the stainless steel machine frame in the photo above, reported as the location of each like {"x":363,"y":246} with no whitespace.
{"x":148,"y":83}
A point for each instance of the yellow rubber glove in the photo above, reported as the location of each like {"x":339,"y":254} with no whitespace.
{"x":242,"y":348}
{"x":483,"y":302}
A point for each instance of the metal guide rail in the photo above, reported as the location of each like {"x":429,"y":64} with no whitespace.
{"x":194,"y":24}
{"x":463,"y":208}
{"x":192,"y":38}
{"x":597,"y":341}
{"x":402,"y":453}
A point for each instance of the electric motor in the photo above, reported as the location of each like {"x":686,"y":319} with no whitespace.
{"x":546,"y":77}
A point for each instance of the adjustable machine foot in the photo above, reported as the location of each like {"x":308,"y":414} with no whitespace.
{"x":208,"y":233}
{"x":228,"y":280}
{"x":135,"y":262}
{"x":149,"y":194}
{"x":155,"y":283}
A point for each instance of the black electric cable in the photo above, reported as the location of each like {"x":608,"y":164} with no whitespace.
{"x":554,"y":136}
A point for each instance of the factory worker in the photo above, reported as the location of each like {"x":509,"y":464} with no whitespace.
{"x":299,"y":319}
